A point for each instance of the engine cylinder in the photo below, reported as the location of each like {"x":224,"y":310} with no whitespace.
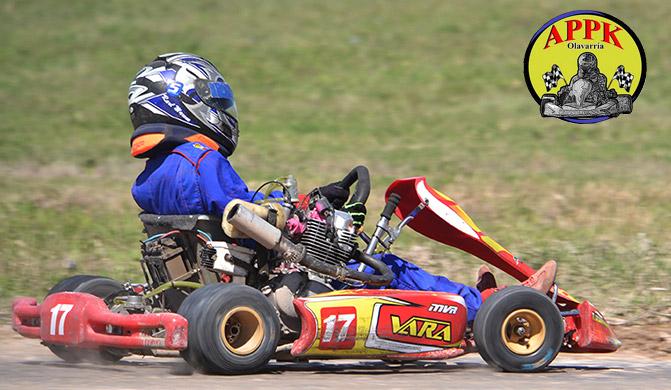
{"x":330,"y":246}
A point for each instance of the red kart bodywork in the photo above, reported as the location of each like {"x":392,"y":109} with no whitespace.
{"x":83,"y":320}
{"x":443,"y":220}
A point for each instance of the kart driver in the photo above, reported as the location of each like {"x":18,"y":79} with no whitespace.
{"x":186,"y":125}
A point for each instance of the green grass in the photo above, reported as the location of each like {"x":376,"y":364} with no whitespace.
{"x":407,"y":88}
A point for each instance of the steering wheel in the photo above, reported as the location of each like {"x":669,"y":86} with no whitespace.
{"x":360,"y":175}
{"x":383,"y":275}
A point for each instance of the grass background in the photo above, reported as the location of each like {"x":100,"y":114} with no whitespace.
{"x":429,"y":88}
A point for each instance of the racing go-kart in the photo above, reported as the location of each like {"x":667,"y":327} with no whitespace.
{"x":229,"y":309}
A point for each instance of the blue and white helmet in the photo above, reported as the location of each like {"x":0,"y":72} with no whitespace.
{"x":185,"y":91}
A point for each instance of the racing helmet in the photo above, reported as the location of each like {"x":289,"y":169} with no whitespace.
{"x":178,"y":98}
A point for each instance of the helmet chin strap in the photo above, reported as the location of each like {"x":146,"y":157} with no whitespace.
{"x":155,"y":138}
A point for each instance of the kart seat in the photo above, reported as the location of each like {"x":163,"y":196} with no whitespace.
{"x":156,"y":224}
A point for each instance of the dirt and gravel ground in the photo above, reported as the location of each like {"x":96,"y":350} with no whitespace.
{"x":26,"y":364}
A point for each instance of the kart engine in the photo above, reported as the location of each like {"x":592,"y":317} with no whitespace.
{"x":331,"y":240}
{"x":318,"y":237}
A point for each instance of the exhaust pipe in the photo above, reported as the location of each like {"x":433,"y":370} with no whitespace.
{"x":264,"y":233}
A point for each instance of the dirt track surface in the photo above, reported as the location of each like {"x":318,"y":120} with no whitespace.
{"x":25,"y":364}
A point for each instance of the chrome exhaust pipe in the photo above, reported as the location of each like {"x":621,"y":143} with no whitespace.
{"x":264,"y":233}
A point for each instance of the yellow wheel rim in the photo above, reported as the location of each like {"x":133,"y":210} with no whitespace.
{"x":523,"y":331}
{"x":242,"y":330}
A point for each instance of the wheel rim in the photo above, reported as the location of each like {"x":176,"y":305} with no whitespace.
{"x":523,"y":331}
{"x":242,"y":330}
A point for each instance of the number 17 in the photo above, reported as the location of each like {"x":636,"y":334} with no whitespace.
{"x":338,"y":328}
{"x":61,"y":307}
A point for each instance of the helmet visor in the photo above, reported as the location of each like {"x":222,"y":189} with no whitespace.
{"x":216,"y":94}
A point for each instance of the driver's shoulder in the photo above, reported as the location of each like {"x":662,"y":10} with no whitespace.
{"x":196,"y":152}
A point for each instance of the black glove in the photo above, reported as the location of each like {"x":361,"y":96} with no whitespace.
{"x":358,"y":212}
{"x":335,"y":194}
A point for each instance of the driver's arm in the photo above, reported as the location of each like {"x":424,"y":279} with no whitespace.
{"x":219,"y":184}
{"x":338,"y":194}
{"x":335,"y":193}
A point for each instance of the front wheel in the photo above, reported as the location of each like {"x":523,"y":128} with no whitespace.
{"x":233,"y":329}
{"x":518,"y":329}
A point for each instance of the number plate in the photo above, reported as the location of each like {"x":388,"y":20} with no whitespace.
{"x":338,"y":328}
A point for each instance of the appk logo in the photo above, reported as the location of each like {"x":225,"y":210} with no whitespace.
{"x":602,"y":58}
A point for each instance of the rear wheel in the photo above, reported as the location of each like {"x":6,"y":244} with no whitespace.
{"x":101,"y":287}
{"x":518,"y":329}
{"x":233,"y":329}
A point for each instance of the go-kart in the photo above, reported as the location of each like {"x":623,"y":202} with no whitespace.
{"x":230,"y":304}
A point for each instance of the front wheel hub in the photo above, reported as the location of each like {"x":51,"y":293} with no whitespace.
{"x":523,"y":331}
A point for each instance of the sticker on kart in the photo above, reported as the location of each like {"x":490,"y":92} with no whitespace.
{"x":369,"y":322}
{"x":415,"y":328}
{"x":58,"y":315}
{"x":338,"y":328}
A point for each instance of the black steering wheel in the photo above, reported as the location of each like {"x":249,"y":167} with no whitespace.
{"x":360,"y":175}
{"x":382,"y":275}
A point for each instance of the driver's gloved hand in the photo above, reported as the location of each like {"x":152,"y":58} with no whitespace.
{"x":336,"y":194}
{"x":358,"y":212}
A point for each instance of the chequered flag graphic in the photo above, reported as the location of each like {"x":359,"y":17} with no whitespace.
{"x":550,"y":78}
{"x":623,"y":78}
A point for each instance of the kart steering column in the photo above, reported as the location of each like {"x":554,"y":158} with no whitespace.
{"x":381,"y":227}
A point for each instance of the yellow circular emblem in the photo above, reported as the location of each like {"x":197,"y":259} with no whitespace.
{"x":584,"y":67}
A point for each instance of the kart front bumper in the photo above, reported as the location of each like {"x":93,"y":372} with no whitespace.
{"x":586,"y":330}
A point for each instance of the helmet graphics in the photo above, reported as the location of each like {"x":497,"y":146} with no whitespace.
{"x":178,"y":92}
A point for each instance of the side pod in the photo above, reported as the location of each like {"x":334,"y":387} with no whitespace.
{"x":395,"y":324}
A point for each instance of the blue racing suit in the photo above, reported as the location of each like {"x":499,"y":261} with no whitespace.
{"x":195,"y":179}
{"x":192,"y":179}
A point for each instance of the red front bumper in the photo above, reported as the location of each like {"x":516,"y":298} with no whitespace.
{"x":588,"y":331}
{"x":83,"y":320}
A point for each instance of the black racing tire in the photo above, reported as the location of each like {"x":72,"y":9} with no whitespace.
{"x":101,"y":287}
{"x":233,"y":329}
{"x":528,"y":311}
{"x":192,"y":304}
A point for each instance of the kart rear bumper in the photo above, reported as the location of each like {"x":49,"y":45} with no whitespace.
{"x":83,"y":320}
